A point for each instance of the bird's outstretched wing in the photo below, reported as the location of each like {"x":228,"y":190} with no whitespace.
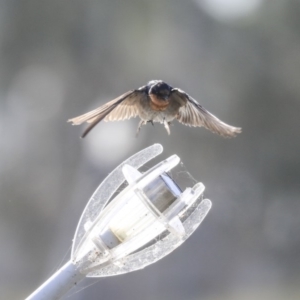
{"x":122,"y":108}
{"x":192,"y":113}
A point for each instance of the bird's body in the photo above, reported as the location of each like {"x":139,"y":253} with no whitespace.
{"x":156,"y":102}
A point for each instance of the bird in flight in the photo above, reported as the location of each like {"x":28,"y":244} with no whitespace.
{"x":156,"y":102}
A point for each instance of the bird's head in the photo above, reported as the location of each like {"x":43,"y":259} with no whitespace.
{"x":160,"y":89}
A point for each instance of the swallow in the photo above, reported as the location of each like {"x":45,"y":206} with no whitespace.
{"x":156,"y":102}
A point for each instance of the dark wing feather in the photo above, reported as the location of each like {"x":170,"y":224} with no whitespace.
{"x":193,"y":114}
{"x":122,"y":108}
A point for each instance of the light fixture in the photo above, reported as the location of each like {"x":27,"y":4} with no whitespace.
{"x":124,"y":231}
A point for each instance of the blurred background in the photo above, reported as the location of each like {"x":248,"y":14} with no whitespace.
{"x":239,"y":59}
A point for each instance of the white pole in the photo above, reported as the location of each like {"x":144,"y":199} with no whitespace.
{"x":58,"y":284}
